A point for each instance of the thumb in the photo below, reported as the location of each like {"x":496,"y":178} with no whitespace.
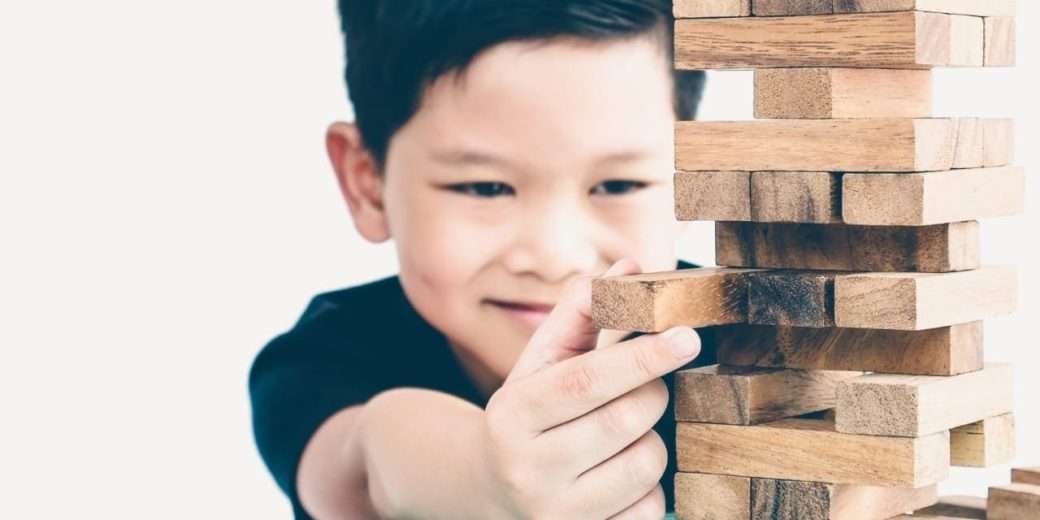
{"x":569,"y":330}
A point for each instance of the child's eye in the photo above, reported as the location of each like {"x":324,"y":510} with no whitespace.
{"x":617,"y":187}
{"x":482,"y":189}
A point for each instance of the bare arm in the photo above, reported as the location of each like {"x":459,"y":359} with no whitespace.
{"x":331,"y":480}
{"x":424,"y":453}
{"x":407,"y":453}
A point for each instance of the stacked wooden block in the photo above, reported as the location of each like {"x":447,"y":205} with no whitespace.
{"x":849,"y":311}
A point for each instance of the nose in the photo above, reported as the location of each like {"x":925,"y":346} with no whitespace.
{"x":555,"y":241}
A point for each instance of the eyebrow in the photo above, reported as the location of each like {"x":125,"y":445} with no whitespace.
{"x":469,"y":157}
{"x":478,"y":158}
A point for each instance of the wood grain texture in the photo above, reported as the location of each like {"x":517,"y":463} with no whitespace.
{"x":967,"y":40}
{"x":932,"y":249}
{"x":945,"y":351}
{"x":968,"y":7}
{"x":985,"y":443}
{"x":773,"y":499}
{"x":794,"y":298}
{"x":791,"y":7}
{"x":654,"y":302}
{"x":1013,"y":502}
{"x":813,"y":197}
{"x":918,"y":199}
{"x":712,"y":195}
{"x":810,"y":450}
{"x":738,"y":395}
{"x":1000,"y":41}
{"x":710,"y":8}
{"x":701,"y":496}
{"x":856,"y":145}
{"x":877,"y":40}
{"x":969,"y":151}
{"x":952,"y":507}
{"x":918,"y":301}
{"x":911,"y":406}
{"x":820,"y":93}
{"x":998,"y":142}
{"x":1026,"y":475}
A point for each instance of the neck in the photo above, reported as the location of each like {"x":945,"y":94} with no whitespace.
{"x":486,"y":380}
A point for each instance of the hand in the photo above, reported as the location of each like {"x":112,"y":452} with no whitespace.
{"x":570,"y":432}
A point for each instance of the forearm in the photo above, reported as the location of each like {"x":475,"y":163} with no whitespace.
{"x":331,"y":478}
{"x":423,"y":455}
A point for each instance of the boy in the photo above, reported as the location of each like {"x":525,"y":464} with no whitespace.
{"x":513,"y":149}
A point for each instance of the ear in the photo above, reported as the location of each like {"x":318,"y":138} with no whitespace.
{"x":360,"y":181}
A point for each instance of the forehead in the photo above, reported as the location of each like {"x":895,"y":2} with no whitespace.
{"x":549,"y":98}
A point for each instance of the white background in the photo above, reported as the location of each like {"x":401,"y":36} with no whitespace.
{"x":166,"y":208}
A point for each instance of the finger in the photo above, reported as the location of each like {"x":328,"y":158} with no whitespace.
{"x":650,"y":506}
{"x":605,"y":431}
{"x":576,"y":386}
{"x":568,"y":330}
{"x":609,"y":337}
{"x":625,"y":478}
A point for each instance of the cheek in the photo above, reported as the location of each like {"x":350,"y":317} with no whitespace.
{"x":441,"y":253}
{"x":650,"y":231}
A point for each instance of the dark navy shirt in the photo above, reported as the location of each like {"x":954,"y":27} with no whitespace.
{"x":352,"y":344}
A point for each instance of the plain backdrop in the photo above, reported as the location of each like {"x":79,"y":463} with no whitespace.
{"x":166,"y":208}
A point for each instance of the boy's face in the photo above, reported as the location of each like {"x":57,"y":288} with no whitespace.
{"x":541,"y":163}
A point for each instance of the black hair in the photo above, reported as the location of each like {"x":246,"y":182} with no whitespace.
{"x":396,"y":48}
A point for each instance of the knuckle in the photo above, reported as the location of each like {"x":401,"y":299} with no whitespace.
{"x":652,"y":460}
{"x":645,"y":358}
{"x":652,"y":507}
{"x":658,"y":397}
{"x":579,"y":382}
{"x":619,"y":417}
{"x":641,"y":474}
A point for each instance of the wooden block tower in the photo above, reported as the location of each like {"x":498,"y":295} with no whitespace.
{"x":849,"y":309}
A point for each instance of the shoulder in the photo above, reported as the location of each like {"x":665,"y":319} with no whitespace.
{"x":349,"y":323}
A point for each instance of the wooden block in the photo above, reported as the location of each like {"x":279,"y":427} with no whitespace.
{"x":810,"y":450}
{"x":945,"y":351}
{"x":712,"y":195}
{"x":857,"y":145}
{"x":911,"y":406}
{"x":1000,"y":41}
{"x":817,"y":93}
{"x":998,"y":140}
{"x":918,"y":199}
{"x":773,"y":499}
{"x":969,"y":152}
{"x":918,"y":301}
{"x":985,"y":443}
{"x":700,"y":496}
{"x":795,"y":197}
{"x":795,"y":298}
{"x":967,"y":41}
{"x":908,"y":40}
{"x":1026,"y":476}
{"x":739,"y":395}
{"x":931,"y":249}
{"x":976,"y":7}
{"x":791,"y":7}
{"x":710,"y":8}
{"x":655,"y":302}
{"x":1013,"y":502}
{"x":950,"y":507}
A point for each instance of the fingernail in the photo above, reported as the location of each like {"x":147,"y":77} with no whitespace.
{"x":684,"y":342}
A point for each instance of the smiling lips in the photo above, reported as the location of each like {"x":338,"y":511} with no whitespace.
{"x":530,"y":314}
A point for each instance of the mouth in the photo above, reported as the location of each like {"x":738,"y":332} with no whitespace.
{"x":530,"y":314}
